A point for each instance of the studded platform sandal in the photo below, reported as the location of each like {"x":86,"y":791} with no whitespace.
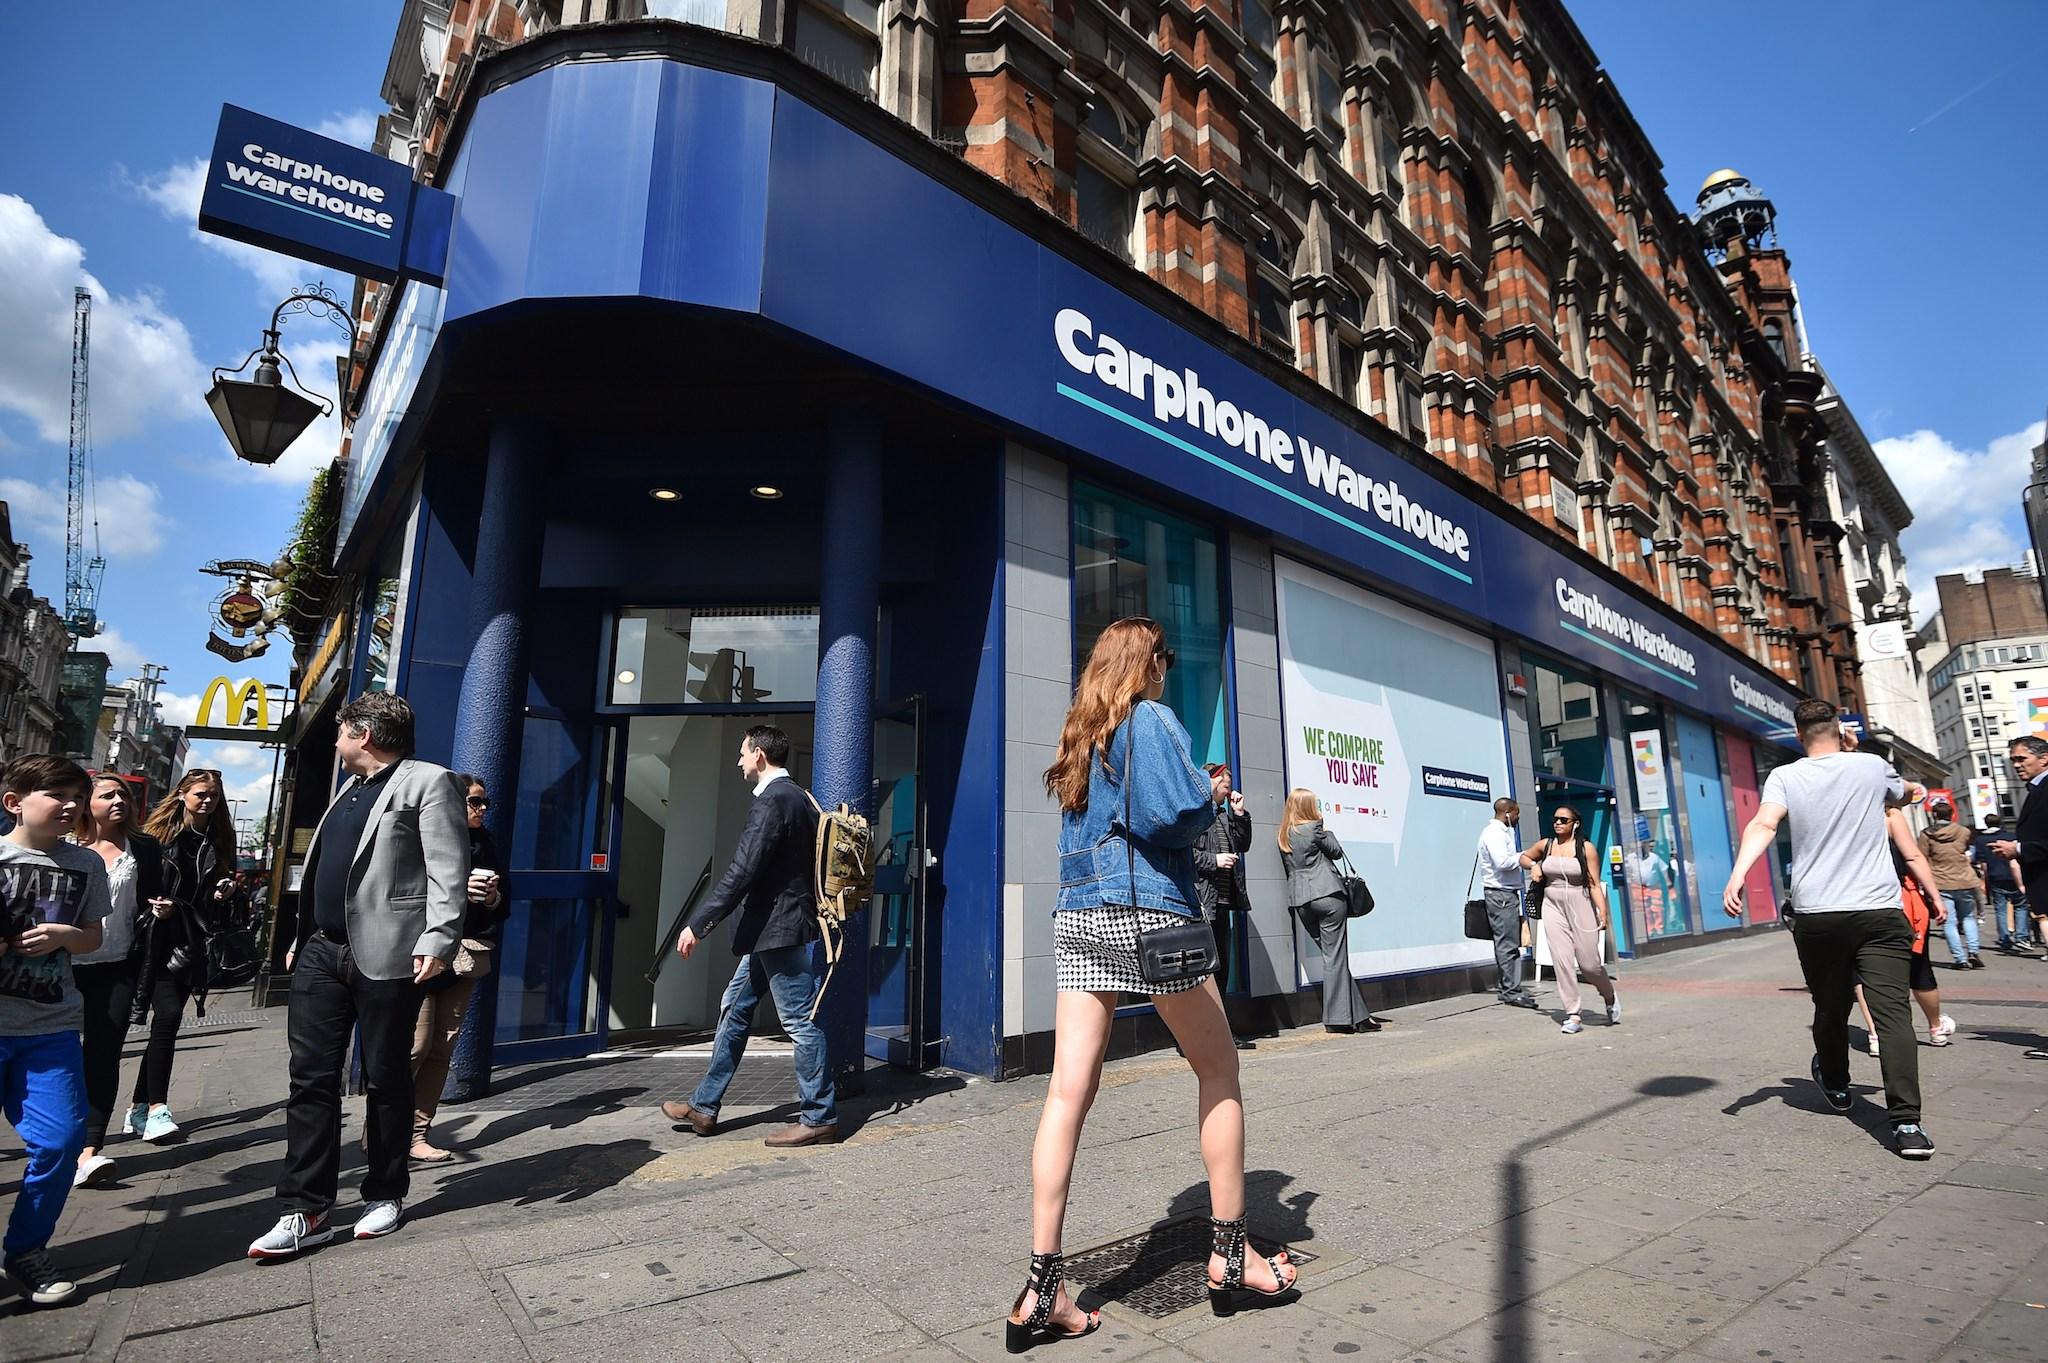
{"x":1233,"y":1294}
{"x":1047,"y":1271}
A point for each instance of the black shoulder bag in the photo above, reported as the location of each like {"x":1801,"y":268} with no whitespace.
{"x":1179,"y":951}
{"x":1478,"y":924}
{"x":1357,"y":894}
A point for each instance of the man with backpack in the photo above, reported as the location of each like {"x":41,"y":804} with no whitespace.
{"x":770,"y":884}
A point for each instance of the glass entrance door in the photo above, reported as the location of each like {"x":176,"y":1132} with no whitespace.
{"x":897,"y":981}
{"x":1596,"y":807}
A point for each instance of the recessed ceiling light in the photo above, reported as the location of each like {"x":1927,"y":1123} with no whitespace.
{"x":664,"y":494}
{"x":628,"y":677}
{"x":766,"y":493}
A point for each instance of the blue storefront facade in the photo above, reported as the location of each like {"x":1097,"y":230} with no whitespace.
{"x":739,"y":402}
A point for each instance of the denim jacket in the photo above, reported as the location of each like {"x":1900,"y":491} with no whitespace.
{"x":1170,"y":808}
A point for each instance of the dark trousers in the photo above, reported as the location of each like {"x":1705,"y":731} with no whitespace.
{"x":108,"y":989}
{"x":330,"y":998}
{"x":1343,"y":1005}
{"x":1504,"y":916}
{"x":167,"y":998}
{"x":1224,"y":928}
{"x":1874,"y":946}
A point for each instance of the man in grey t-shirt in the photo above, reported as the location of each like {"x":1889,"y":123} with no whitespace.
{"x":1850,"y":925}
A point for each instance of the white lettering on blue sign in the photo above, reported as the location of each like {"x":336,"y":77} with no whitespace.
{"x":1178,"y":395}
{"x":266,"y":173}
{"x":1597,"y":615}
{"x":1742,"y":693}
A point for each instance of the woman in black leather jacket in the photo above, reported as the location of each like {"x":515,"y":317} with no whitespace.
{"x":199,"y":869}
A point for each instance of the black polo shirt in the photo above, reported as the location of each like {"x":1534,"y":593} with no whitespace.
{"x":326,"y":877}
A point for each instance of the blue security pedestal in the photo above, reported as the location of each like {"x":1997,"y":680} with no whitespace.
{"x":843,"y":760}
{"x":491,"y":709}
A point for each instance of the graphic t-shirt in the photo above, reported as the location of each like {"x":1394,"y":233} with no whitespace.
{"x":1841,"y":858}
{"x":67,"y":884}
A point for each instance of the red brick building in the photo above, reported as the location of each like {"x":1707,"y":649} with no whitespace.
{"x":1443,"y":212}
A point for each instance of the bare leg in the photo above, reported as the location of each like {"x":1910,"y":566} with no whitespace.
{"x":1198,"y":1023}
{"x":1869,"y":1024}
{"x":1080,"y":1039}
{"x":1930,"y":1004}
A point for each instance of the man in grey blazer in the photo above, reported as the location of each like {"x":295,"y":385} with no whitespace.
{"x":380,"y":913}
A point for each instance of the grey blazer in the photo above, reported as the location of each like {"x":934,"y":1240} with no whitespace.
{"x":408,"y":884}
{"x":1312,"y":865}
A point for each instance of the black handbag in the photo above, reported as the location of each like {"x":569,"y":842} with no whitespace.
{"x":1178,"y":951}
{"x":1357,"y":894}
{"x":1478,"y":923}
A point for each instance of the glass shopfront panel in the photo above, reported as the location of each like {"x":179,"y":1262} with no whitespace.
{"x":1706,"y":821}
{"x":725,"y":655}
{"x":1653,"y":858}
{"x":1571,"y":741}
{"x":1131,"y":558}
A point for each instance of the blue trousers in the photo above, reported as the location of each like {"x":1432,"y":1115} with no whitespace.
{"x":42,"y":1090}
{"x":1960,"y":927}
{"x":785,"y":974}
{"x":2006,"y":899}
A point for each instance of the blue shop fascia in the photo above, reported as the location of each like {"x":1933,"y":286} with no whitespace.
{"x":718,"y":397}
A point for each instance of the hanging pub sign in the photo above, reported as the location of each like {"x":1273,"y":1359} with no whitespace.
{"x":239,"y":610}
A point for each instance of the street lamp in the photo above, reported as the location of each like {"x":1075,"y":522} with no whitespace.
{"x":260,"y":415}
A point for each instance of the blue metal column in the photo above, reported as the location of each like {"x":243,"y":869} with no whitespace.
{"x":843,"y":760}
{"x":492,"y":706}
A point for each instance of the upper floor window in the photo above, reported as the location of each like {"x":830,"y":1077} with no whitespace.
{"x":1329,"y":93}
{"x":1261,"y":42}
{"x":1105,"y":196}
{"x":842,"y":38}
{"x":1774,"y":337}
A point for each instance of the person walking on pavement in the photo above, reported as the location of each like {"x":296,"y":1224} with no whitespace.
{"x":191,"y":825}
{"x":53,"y":900}
{"x":1132,"y":803}
{"x":1851,"y":919}
{"x":1919,"y":889}
{"x":2005,"y":891}
{"x":1220,"y":874}
{"x":1947,"y":845}
{"x":444,"y":1000}
{"x":107,"y":977}
{"x":1563,"y":878}
{"x":381,"y":914}
{"x":1315,"y":888}
{"x":770,"y":884}
{"x":1501,"y":879}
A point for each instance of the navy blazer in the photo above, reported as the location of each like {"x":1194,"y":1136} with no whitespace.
{"x":769,"y":881}
{"x":2031,"y":833}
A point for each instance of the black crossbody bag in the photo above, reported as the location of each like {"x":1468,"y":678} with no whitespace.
{"x":1179,"y":951}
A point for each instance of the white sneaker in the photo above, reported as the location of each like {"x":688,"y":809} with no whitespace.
{"x":137,"y":1118}
{"x":293,"y":1232}
{"x":380,"y":1219}
{"x":93,"y":1173}
{"x":1614,"y":1013}
{"x":1572,"y":1027}
{"x":1940,"y":1032}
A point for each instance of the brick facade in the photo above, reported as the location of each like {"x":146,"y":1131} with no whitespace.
{"x":1439,"y":210}
{"x":2006,"y":604}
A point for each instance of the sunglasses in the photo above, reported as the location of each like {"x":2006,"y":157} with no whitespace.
{"x":477,"y":802}
{"x":1565,"y":821}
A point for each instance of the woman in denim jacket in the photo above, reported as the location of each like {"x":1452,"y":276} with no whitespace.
{"x":1111,"y":888}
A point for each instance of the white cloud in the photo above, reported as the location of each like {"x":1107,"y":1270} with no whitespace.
{"x":1966,"y":503}
{"x":143,"y":365}
{"x":124,"y":658}
{"x":180,"y":710}
{"x":131,"y":525}
{"x":176,"y":193}
{"x":355,"y":127}
{"x":245,"y":772}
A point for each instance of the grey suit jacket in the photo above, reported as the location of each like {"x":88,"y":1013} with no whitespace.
{"x":1312,"y":866}
{"x":409,"y":875}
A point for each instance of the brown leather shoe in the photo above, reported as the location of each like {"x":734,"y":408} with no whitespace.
{"x":703,"y":1123}
{"x":796,"y":1133}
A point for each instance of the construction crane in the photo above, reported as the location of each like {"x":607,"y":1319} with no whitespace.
{"x":81,"y":575}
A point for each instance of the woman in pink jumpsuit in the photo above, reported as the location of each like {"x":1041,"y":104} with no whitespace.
{"x":1563,"y":869}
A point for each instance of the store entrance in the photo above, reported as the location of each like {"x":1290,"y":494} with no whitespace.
{"x":1597,"y":809}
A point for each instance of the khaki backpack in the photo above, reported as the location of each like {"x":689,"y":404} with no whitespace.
{"x":843,"y":879}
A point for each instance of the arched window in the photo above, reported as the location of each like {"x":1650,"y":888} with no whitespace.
{"x":1327,"y":86}
{"x":842,"y":38}
{"x":1271,"y":281}
{"x":1105,"y":177}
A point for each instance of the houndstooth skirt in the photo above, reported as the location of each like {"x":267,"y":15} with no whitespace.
{"x":1095,"y":951}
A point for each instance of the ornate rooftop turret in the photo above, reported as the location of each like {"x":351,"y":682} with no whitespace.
{"x":1732,"y":209}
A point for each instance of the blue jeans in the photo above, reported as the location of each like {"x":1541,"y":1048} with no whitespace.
{"x":42,"y":1090}
{"x":1961,"y":924}
{"x":2006,"y":899}
{"x":786,"y":974}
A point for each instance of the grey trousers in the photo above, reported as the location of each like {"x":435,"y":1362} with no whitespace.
{"x":1504,"y":912}
{"x":1343,"y":1005}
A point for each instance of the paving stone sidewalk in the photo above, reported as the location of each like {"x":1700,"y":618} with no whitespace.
{"x":1472,"y":1185}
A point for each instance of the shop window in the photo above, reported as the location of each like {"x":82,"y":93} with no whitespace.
{"x":1570,"y":740}
{"x":743,"y":655}
{"x":383,"y":620}
{"x":1105,"y":209}
{"x":1652,"y":859}
{"x":842,"y":38}
{"x":1261,"y":43}
{"x":1133,"y":559}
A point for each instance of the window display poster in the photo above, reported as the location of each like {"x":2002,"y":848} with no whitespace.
{"x":1372,"y":694}
{"x":1646,"y":750}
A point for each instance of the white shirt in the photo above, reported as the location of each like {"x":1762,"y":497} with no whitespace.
{"x":1500,"y":866}
{"x":769,"y":777}
{"x":120,"y":924}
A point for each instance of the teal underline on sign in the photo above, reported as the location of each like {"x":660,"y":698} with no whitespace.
{"x":1766,"y":719}
{"x":309,"y":212}
{"x":1639,"y":661}
{"x":1148,"y":428}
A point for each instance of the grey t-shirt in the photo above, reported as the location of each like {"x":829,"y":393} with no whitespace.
{"x":67,"y":884}
{"x":1841,"y":853}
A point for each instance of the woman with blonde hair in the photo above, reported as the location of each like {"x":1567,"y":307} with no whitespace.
{"x":1132,"y":804}
{"x":1315,"y":887}
{"x":191,"y":824}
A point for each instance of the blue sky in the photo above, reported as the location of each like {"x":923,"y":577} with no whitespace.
{"x":1908,"y":175}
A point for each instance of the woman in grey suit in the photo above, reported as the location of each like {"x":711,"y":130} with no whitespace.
{"x":1316,"y":890}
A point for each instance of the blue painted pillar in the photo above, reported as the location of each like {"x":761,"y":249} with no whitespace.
{"x":490,"y":711}
{"x":843,"y":757}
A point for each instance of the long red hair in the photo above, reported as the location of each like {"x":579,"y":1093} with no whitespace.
{"x":1120,"y":667}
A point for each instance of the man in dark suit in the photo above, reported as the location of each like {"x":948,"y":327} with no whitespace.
{"x":2029,"y":843}
{"x":769,"y":883}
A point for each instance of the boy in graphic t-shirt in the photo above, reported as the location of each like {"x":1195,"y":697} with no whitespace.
{"x":53,"y":896}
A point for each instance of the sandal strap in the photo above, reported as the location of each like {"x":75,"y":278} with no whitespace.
{"x":1047,"y":1271}
{"x":1228,"y":1240}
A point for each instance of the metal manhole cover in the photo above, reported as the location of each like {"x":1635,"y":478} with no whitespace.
{"x":1159,"y":1272}
{"x":197,"y":1024}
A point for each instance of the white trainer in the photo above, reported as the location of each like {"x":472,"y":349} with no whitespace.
{"x":380,"y":1219}
{"x":93,"y":1173}
{"x":1940,"y":1032}
{"x":293,"y":1232}
{"x":1614,"y":1013}
{"x":137,"y":1118}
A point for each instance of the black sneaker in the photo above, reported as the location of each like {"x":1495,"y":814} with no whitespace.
{"x":1911,"y":1142}
{"x":1976,"y":963}
{"x":1519,"y":1001}
{"x":39,"y":1280}
{"x":1838,"y":1099}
